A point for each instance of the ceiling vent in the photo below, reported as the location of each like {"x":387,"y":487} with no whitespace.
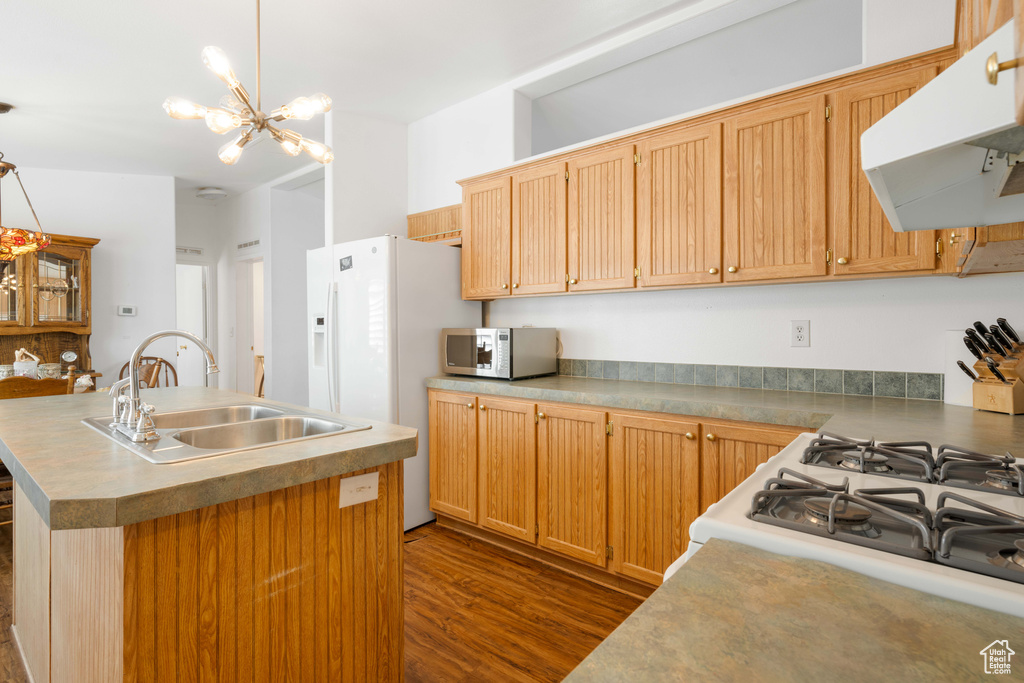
{"x":190,"y":251}
{"x":210,"y":193}
{"x":246,"y":245}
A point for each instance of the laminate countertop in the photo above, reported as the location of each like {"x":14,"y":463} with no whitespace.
{"x":893,"y":419}
{"x":735,"y":613}
{"x":77,"y":478}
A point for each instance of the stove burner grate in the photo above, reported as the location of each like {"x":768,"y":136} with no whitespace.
{"x":844,"y":516}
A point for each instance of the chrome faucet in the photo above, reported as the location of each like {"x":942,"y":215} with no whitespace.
{"x":132,"y":417}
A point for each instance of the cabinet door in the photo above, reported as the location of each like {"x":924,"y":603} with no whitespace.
{"x":453,"y":455}
{"x":486,"y":239}
{"x":538,"y":230}
{"x":730,"y":454}
{"x":679,"y":207}
{"x":865,"y":242}
{"x":508,"y":467}
{"x":13,"y":284}
{"x":601,"y":220}
{"x":60,"y":287}
{"x":774,"y":218}
{"x":654,"y":493}
{"x":572,"y":479}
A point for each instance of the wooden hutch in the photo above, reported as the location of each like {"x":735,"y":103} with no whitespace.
{"x":46,"y":302}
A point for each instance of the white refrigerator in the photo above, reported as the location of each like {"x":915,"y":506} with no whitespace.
{"x":376,"y":310}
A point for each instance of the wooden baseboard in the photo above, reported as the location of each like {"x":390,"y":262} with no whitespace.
{"x":578,"y":569}
{"x":21,"y":653}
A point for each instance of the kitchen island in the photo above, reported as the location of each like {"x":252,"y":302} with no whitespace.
{"x":239,"y":566}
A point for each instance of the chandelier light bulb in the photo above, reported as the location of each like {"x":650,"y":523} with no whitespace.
{"x":231,"y":152}
{"x":321,"y":103}
{"x":292,"y":149}
{"x":232,"y":103}
{"x":301,"y":108}
{"x":318,"y":151}
{"x":217,"y":61}
{"x":221,"y":121}
{"x":180,"y":108}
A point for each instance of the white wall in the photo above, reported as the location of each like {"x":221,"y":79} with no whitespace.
{"x":297,"y":225}
{"x":895,"y":324}
{"x":134,"y":217}
{"x":367,"y":179}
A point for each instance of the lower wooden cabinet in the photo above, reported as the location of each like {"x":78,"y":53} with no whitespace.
{"x":508,"y":467}
{"x":550,"y":476}
{"x":730,"y":453}
{"x":453,"y":455}
{"x":572,"y":481}
{"x":654,"y":480}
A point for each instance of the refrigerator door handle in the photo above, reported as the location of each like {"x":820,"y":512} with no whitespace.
{"x":332,"y":294}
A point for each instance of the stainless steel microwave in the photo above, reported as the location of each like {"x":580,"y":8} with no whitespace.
{"x":503,"y":352}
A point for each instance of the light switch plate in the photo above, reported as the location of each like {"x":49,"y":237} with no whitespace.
{"x":361,"y":489}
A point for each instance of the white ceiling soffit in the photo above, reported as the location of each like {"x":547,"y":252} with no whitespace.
{"x":682,"y":26}
{"x":88,"y":79}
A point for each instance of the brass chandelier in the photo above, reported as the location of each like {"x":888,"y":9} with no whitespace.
{"x":237,"y":113}
{"x":14,"y":241}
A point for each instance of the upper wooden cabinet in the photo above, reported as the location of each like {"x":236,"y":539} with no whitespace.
{"x":508,"y":467}
{"x":486,"y":239}
{"x":601,"y":220}
{"x":775,"y":218}
{"x":539,"y":230}
{"x":453,"y":454}
{"x":679,"y":207}
{"x":654,"y":493}
{"x":864,"y":240}
{"x":572,"y":480}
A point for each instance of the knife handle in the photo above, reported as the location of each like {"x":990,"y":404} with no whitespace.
{"x":973,"y":348}
{"x":1010,"y":332}
{"x":980,"y":327}
{"x":995,"y":371}
{"x":977,"y":339}
{"x":1001,"y":337}
{"x":994,"y":344}
{"x":967,"y":371}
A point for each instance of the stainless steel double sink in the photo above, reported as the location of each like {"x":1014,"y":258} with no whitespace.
{"x":209,"y":432}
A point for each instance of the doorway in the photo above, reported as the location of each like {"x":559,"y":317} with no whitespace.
{"x":250,"y":342}
{"x":192,"y":314}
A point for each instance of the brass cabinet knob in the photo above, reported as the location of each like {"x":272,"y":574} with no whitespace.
{"x":691,"y":436}
{"x":541,"y":415}
{"x":469,"y":405}
{"x":572,"y":281}
{"x":515,"y":285}
{"x":505,"y":286}
{"x":713,"y":271}
{"x":733,"y":269}
{"x":483,"y":407}
{"x":711,"y":437}
{"x":842,"y":260}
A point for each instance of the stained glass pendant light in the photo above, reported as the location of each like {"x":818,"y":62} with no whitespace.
{"x":236,"y":113}
{"x":14,"y":241}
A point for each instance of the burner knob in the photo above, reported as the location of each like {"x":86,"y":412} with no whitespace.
{"x":711,"y":437}
{"x":691,"y":436}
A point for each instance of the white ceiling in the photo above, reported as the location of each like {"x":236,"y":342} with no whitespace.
{"x":88,"y":78}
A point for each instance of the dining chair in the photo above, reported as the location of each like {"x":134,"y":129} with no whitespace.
{"x":150,"y":370}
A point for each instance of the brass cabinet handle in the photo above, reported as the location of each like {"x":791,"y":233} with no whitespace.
{"x":711,"y":437}
{"x":541,"y":415}
{"x":505,"y":286}
{"x":993,"y":66}
{"x":469,"y":405}
{"x":713,"y":271}
{"x":572,"y":281}
{"x":515,"y":285}
{"x":483,"y":407}
{"x":842,"y":260}
{"x":691,"y":436}
{"x":733,"y":269}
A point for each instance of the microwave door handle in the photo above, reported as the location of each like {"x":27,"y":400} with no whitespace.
{"x":332,"y":294}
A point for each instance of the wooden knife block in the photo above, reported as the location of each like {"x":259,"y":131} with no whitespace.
{"x":992,"y":395}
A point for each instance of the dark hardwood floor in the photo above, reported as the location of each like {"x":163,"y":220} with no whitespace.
{"x":472,"y":613}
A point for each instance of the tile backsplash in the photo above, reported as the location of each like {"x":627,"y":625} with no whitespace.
{"x":921,"y":385}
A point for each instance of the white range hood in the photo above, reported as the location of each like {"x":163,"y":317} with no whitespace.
{"x":939,"y":160}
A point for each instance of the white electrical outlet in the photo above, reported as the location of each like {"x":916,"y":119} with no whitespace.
{"x":800,"y":333}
